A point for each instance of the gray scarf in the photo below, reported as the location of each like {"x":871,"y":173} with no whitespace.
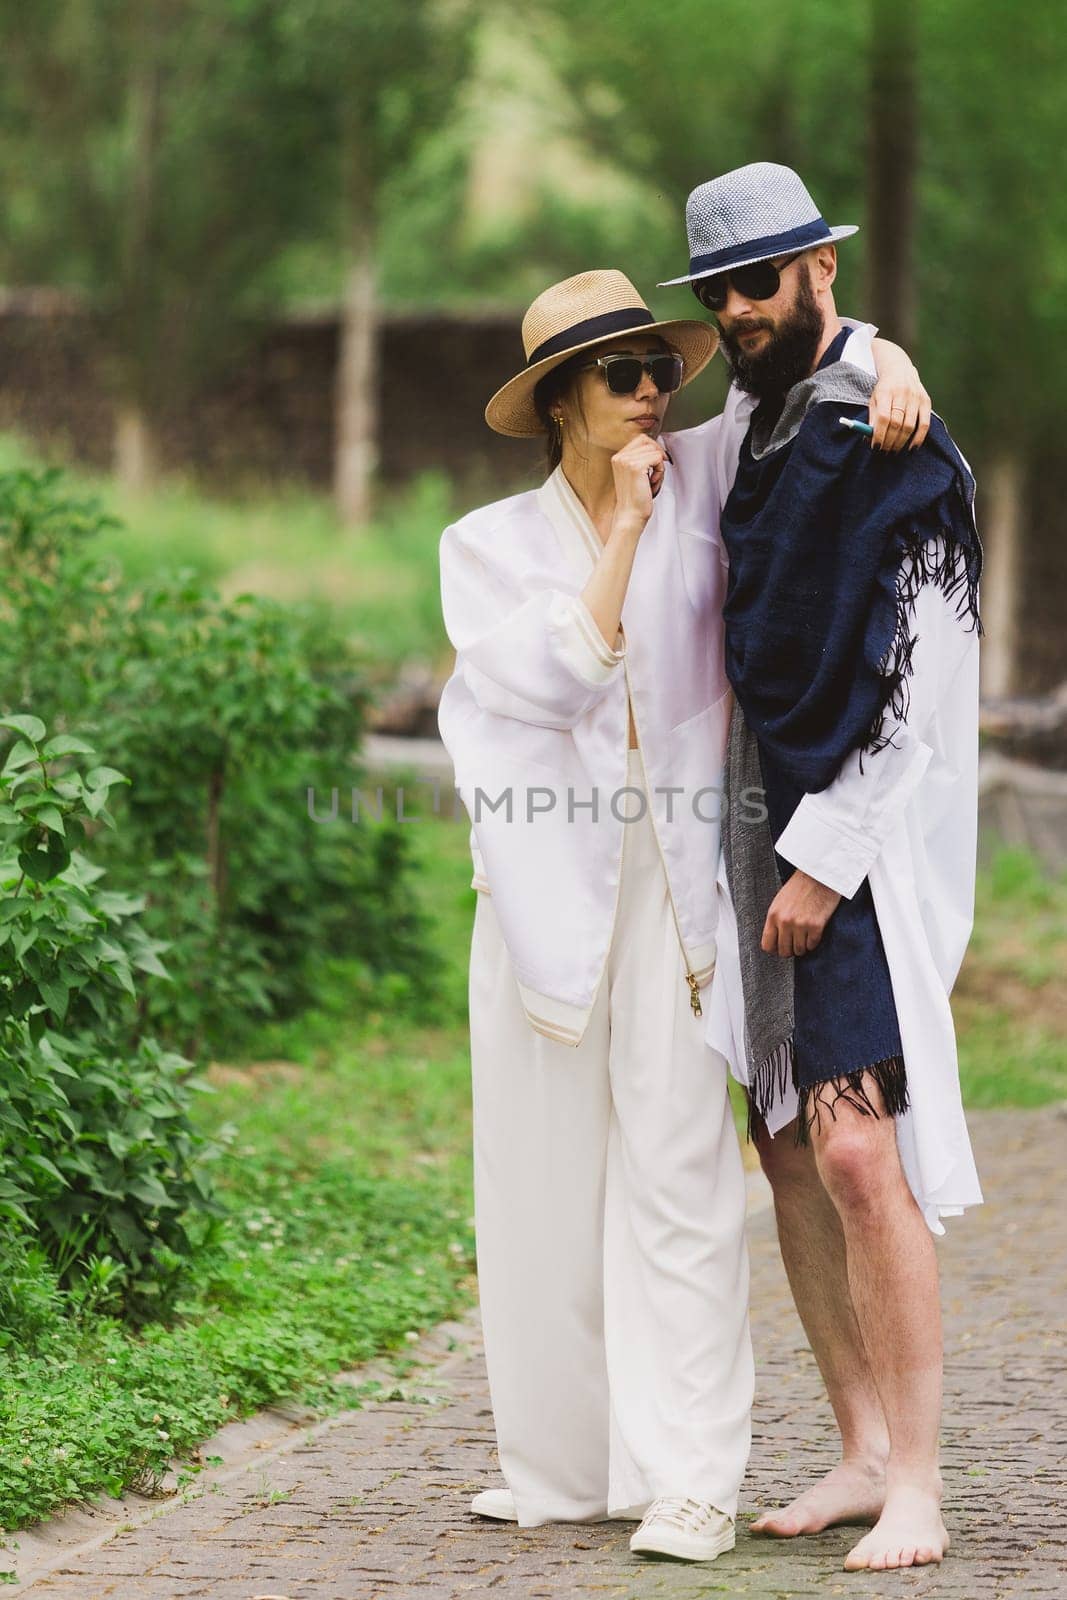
{"x":754,"y":880}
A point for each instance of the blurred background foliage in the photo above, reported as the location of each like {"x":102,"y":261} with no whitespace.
{"x":184,"y":159}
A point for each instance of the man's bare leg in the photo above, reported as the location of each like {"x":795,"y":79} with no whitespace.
{"x":813,"y":1249}
{"x":893,"y":1286}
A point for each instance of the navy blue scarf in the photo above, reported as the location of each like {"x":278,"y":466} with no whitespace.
{"x":829,"y":542}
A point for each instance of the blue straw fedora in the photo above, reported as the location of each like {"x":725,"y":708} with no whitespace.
{"x":751,"y":214}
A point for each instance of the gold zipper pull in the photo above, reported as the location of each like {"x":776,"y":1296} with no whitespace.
{"x":694,"y":993}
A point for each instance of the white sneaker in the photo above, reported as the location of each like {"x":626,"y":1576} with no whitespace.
{"x":498,"y":1503}
{"x":688,"y":1530}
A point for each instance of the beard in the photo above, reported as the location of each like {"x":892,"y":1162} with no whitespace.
{"x":788,"y":356}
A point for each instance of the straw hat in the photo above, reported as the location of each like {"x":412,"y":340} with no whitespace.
{"x":752,"y":214}
{"x":577,"y":314}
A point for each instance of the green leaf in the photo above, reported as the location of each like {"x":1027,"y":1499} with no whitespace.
{"x":51,"y":817}
{"x":20,"y":755}
{"x":44,"y":865}
{"x":151,"y":1191}
{"x":79,"y":916}
{"x":122,"y":973}
{"x":57,"y":996}
{"x":117,"y":904}
{"x":69,"y":787}
{"x":31,"y":728}
{"x":148,"y":961}
{"x":67,"y":744}
{"x":44,"y":1165}
{"x":103,"y":777}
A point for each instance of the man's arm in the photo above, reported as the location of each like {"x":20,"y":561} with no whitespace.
{"x":835,"y":835}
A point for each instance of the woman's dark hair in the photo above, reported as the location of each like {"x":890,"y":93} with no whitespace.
{"x":552,"y":387}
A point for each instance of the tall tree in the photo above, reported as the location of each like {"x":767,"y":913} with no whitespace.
{"x":150,"y":155}
{"x":892,"y":168}
{"x":384,"y":79}
{"x":993,"y":265}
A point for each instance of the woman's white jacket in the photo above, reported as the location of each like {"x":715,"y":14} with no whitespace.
{"x":535,"y":720}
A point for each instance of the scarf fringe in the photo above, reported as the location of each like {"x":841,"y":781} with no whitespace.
{"x":952,"y":566}
{"x":768,"y":1084}
{"x":889,"y":1075}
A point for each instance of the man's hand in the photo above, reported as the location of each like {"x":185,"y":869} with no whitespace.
{"x":799,"y":912}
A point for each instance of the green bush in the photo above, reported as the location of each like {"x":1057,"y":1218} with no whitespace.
{"x":223,"y":714}
{"x":100,"y":1160}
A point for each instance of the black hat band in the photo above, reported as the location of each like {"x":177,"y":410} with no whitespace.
{"x":772,"y":244}
{"x":591,"y":328}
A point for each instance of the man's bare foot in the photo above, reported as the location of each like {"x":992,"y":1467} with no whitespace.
{"x":853,"y":1492}
{"x":909,"y":1533}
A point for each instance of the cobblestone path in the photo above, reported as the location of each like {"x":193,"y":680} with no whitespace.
{"x":373,"y":1506}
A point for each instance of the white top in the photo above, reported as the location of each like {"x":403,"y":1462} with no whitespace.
{"x":535,"y":712}
{"x":908,"y":822}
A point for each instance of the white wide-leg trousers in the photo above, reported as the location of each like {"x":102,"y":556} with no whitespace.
{"x":609,"y":1221}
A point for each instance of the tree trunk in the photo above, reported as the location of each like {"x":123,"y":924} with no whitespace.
{"x":1001,"y":577}
{"x":892,"y":160}
{"x":136,"y":457}
{"x":216,"y":861}
{"x":357,"y":380}
{"x":134,"y":450}
{"x":355,"y":396}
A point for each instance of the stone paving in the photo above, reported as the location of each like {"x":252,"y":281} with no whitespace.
{"x":373,"y":1505}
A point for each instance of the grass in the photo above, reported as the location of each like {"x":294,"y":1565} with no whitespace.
{"x":1010,"y":1001}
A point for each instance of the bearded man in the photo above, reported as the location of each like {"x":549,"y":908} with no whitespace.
{"x":852,"y":648}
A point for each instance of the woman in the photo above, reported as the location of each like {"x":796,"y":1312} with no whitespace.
{"x":609,"y":1191}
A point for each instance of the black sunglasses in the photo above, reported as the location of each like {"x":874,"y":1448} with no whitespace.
{"x":759,"y":281}
{"x":622,"y":373}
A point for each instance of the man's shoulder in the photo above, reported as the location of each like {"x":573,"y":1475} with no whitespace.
{"x":811,"y":416}
{"x":859,"y":346}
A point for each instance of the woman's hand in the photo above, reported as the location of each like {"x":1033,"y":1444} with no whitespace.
{"x":638,"y":472}
{"x":900,"y":406}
